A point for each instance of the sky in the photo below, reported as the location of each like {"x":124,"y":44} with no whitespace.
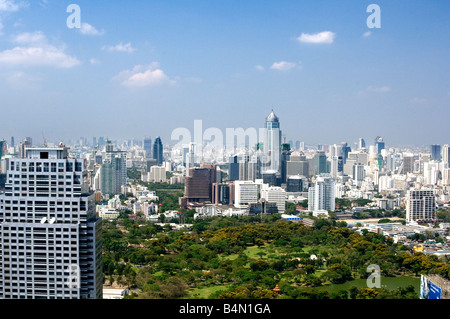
{"x":144,"y":68}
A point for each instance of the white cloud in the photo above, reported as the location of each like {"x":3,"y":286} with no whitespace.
{"x":283,"y":66}
{"x":259,"y":67}
{"x":88,"y":29}
{"x":120,"y":48}
{"x":367,"y":34}
{"x":8,"y":5}
{"x":34,"y":50}
{"x":36,"y":37}
{"x":382,"y":89}
{"x":143,"y":75}
{"x":321,"y":37}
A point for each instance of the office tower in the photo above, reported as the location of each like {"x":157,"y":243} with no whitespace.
{"x":379,"y":145}
{"x":3,"y":148}
{"x":421,"y":205}
{"x":321,"y":196}
{"x":274,"y":194}
{"x":345,"y":150}
{"x":158,"y":151}
{"x":435,"y":151}
{"x":408,"y":164}
{"x":285,"y":157}
{"x":101,"y":142}
{"x":198,"y":185}
{"x":297,"y":165}
{"x":361,"y":143}
{"x":297,"y":145}
{"x":223,"y":193}
{"x":320,"y":163}
{"x":446,"y":154}
{"x":12,"y":142}
{"x":272,"y":143}
{"x":27,"y":142}
{"x":233,"y":168}
{"x":270,"y":178}
{"x":190,"y":158}
{"x":185,"y":155}
{"x":147,"y":147}
{"x":113,"y":172}
{"x":336,"y":166}
{"x":50,"y":237}
{"x":358,"y":174}
{"x":94,"y":142}
{"x":245,"y":193}
{"x":295,"y":184}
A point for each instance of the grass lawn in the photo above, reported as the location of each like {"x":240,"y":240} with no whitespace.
{"x":205,"y":292}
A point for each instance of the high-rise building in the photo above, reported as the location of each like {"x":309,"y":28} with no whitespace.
{"x":320,"y":163}
{"x":272,"y":143}
{"x":148,"y":147}
{"x":233,"y":168}
{"x":408,"y":163}
{"x":50,"y":237}
{"x":198,"y":185}
{"x":446,"y":154}
{"x":3,"y":148}
{"x":274,"y":194}
{"x":361,"y":143}
{"x":113,"y":172}
{"x":321,"y":196}
{"x":158,"y":151}
{"x":435,"y":151}
{"x":421,"y":205}
{"x":379,"y":145}
{"x":245,"y":193}
{"x":27,"y":142}
{"x":223,"y":193}
{"x":12,"y":142}
{"x":285,"y":157}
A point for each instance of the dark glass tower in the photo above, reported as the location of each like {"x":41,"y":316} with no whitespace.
{"x":158,"y":151}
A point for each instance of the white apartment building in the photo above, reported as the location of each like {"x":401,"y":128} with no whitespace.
{"x":274,"y":194}
{"x":322,"y":195}
{"x":246,"y":192}
{"x":50,"y":237}
{"x":421,"y":204}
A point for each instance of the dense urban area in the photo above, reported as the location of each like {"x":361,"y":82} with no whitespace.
{"x":279,"y":219}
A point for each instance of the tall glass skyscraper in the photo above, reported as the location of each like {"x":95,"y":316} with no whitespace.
{"x":50,"y":237}
{"x":272,"y":144}
{"x":158,"y":151}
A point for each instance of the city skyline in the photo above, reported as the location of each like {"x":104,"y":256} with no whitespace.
{"x":145,"y":69}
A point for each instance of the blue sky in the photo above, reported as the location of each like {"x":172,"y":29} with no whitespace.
{"x":144,"y":68}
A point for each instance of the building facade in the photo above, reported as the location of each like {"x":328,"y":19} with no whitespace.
{"x":50,"y":236}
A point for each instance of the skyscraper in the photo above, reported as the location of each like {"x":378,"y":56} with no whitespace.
{"x":421,"y":205}
{"x":27,"y":142}
{"x":272,"y":143}
{"x":50,"y":237}
{"x":321,"y":196}
{"x":361,"y":143}
{"x":446,"y":154}
{"x":320,"y":163}
{"x":379,"y":144}
{"x":113,"y":172}
{"x":148,"y":147}
{"x":435,"y":151}
{"x":158,"y":151}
